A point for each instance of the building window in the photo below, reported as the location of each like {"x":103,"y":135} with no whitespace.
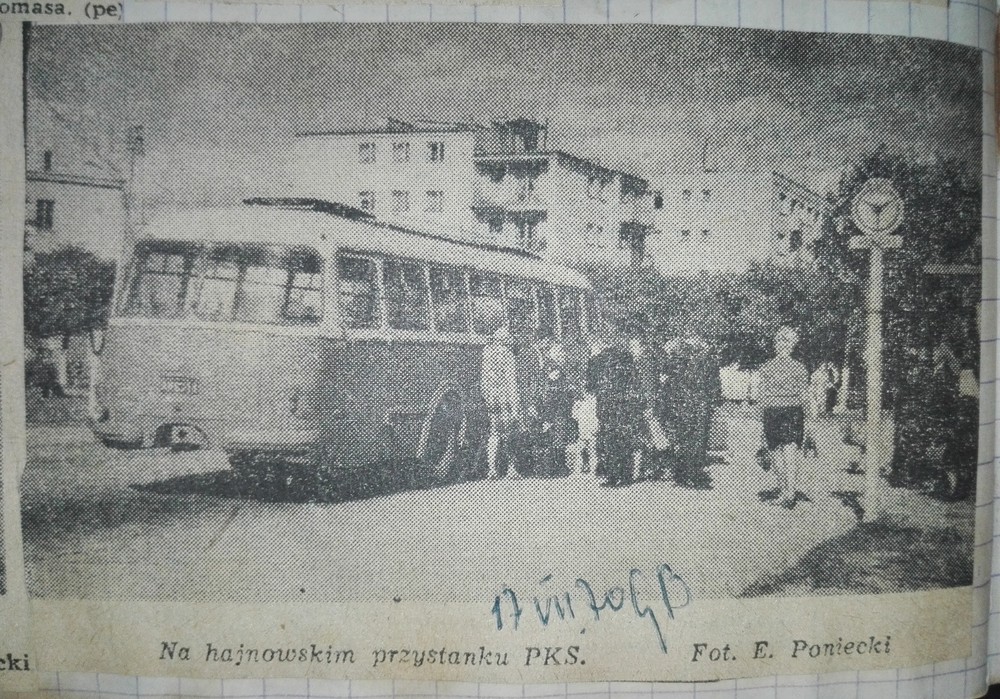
{"x":525,"y":187}
{"x":47,"y":160}
{"x":367,"y":200}
{"x":597,"y":189}
{"x":43,"y":213}
{"x":658,"y":200}
{"x":435,"y":201}
{"x":366,"y":153}
{"x":400,"y":152}
{"x":435,"y":152}
{"x":527,"y":235}
{"x":400,"y":201}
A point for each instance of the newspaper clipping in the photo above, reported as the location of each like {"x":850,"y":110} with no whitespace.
{"x":492,"y":351}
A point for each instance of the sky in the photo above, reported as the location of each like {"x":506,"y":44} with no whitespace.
{"x":219,"y":103}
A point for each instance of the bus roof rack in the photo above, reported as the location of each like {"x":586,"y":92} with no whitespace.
{"x":326,"y":207}
{"x":354,"y":214}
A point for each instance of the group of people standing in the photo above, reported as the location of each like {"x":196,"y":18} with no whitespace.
{"x":636,"y":411}
{"x":530,"y":394}
{"x":654,"y":407}
{"x":627,"y":411}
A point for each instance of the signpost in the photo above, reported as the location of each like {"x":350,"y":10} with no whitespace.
{"x":877,"y":211}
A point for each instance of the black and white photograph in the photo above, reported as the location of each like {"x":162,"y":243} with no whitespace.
{"x":331,"y":312}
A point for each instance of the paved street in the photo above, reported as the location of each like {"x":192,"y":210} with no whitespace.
{"x":151,"y":524}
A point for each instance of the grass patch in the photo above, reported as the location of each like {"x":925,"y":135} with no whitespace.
{"x":879,"y":557}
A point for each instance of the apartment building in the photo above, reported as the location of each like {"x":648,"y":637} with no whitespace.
{"x":497,"y":183}
{"x":70,"y":208}
{"x":724,"y":221}
{"x":415,"y":175}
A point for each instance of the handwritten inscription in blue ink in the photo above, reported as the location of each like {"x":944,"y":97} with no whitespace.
{"x":670,"y":594}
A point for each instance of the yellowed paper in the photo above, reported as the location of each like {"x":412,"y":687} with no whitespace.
{"x":513,"y":353}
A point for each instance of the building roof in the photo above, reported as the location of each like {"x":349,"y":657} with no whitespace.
{"x":800,"y":190}
{"x":319,"y":224}
{"x":425,"y":126}
{"x":79,"y":180}
{"x":397,"y":126}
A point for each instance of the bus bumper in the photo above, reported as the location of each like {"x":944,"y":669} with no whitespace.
{"x":186,"y":435}
{"x":271,"y":440}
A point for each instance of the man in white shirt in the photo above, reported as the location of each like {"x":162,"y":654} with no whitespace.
{"x":498,"y":382}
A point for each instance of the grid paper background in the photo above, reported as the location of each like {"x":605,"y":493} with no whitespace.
{"x":969,"y":22}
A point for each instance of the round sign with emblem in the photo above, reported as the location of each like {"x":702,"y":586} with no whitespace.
{"x":877,"y":208}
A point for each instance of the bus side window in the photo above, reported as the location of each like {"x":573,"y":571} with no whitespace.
{"x":357,"y":292}
{"x":406,"y":295}
{"x":569,"y":312}
{"x":520,"y":308}
{"x":548,"y":315}
{"x":262,"y":294}
{"x":304,"y":302}
{"x":451,"y":308}
{"x":488,"y":308}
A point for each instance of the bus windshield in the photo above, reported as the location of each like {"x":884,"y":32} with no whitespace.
{"x":258,"y":284}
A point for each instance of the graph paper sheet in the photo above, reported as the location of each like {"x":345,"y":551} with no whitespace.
{"x":968,"y":23}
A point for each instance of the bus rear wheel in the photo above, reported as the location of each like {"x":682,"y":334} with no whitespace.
{"x":443,"y":443}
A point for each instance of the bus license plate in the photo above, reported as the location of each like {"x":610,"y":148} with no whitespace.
{"x":179,"y":386}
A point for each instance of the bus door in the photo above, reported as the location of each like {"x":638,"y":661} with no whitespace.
{"x":412,"y":370}
{"x":456,"y":358}
{"x":359,"y":368}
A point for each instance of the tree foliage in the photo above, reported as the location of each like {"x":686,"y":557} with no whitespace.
{"x":825,"y":300}
{"x":66,"y":292}
{"x":942,"y":226}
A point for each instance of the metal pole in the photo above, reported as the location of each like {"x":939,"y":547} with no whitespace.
{"x":873,"y":364}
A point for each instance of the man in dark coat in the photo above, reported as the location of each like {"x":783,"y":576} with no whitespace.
{"x":555,"y":413}
{"x":613,"y":377}
{"x":690,"y":392}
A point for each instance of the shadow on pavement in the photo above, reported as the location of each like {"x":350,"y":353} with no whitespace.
{"x":289,"y":485}
{"x":878,"y":557}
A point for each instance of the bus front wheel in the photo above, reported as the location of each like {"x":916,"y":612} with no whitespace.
{"x":443,"y":442}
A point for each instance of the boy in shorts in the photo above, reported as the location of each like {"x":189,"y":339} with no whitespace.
{"x":782,"y":395}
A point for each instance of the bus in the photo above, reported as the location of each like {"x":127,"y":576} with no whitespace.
{"x":298,"y":332}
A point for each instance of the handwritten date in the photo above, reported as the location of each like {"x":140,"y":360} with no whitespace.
{"x":655,"y":597}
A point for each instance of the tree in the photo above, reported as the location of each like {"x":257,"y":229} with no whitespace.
{"x":942,"y":201}
{"x":66,"y":292}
